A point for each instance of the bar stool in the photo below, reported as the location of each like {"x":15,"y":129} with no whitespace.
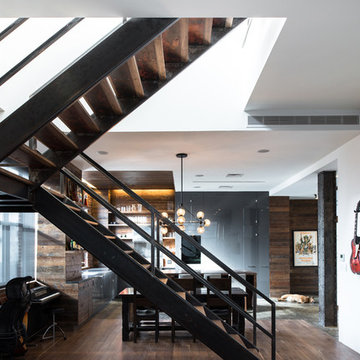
{"x":54,"y":325}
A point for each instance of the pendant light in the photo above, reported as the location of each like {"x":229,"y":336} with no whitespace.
{"x":180,"y":212}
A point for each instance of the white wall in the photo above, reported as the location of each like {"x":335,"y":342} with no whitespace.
{"x":345,"y":160}
{"x":348,"y":283}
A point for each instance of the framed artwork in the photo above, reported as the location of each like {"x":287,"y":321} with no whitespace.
{"x":305,"y":248}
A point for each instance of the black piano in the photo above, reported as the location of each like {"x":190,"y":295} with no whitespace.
{"x":42,"y":299}
{"x":41,"y":293}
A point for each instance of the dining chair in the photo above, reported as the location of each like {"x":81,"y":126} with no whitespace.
{"x":214,"y":303}
{"x":145,"y":314}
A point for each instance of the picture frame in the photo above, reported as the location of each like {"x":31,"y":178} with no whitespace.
{"x":305,"y":247}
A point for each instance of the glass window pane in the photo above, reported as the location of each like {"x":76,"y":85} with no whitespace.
{"x":17,"y":245}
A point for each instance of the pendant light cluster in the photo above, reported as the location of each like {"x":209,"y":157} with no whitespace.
{"x":180,"y":212}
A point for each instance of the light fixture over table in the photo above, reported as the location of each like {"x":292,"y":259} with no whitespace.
{"x":180,"y":212}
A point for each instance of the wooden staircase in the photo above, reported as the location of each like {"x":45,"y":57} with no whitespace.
{"x":112,"y":86}
{"x":112,"y":79}
{"x":152,"y":283}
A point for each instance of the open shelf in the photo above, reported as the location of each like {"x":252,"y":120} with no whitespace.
{"x":143,"y":212}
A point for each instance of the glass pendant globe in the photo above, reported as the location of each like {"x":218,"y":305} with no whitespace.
{"x":182,"y":227}
{"x":200,"y":215}
{"x":207,"y":222}
{"x":180,"y":211}
{"x":181,"y":220}
{"x":164,"y":230}
{"x":200,"y":230}
{"x":165,"y":214}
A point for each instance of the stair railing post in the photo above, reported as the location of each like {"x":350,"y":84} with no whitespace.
{"x":254,"y":305}
{"x":273,"y":331}
{"x":152,"y":246}
{"x":157,"y":233}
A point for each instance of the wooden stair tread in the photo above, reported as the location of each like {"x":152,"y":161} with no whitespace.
{"x":146,"y":266}
{"x":256,"y":352}
{"x":200,"y":30}
{"x":223,"y":22}
{"x":15,"y":177}
{"x":164,"y":280}
{"x":201,"y":309}
{"x":78,"y":120}
{"x":126,"y":80}
{"x":176,"y":42}
{"x":102,"y":100}
{"x":220,"y":324}
{"x":54,"y":192}
{"x":31,"y":158}
{"x":237,"y":338}
{"x":73,"y":208}
{"x":182,"y":294}
{"x":151,"y":61}
{"x":110,"y":236}
{"x":91,"y":222}
{"x":55,"y":139}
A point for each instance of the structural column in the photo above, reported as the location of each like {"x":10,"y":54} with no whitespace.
{"x":327,"y":248}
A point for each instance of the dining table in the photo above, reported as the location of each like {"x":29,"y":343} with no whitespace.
{"x":238,"y":295}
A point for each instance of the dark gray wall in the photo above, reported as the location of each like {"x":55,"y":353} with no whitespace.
{"x":239,"y":231}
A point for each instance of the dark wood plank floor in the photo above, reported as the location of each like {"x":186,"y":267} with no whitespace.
{"x":100,"y":339}
{"x":299,"y":340}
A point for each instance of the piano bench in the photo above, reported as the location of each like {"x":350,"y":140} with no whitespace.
{"x":54,"y":325}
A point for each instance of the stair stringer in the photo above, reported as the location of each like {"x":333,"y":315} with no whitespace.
{"x":147,"y":283}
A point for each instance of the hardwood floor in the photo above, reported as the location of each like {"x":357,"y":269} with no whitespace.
{"x":100,"y":339}
{"x":299,"y":340}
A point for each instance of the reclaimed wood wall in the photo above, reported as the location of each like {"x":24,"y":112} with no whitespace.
{"x":279,"y":210}
{"x":285,"y":216}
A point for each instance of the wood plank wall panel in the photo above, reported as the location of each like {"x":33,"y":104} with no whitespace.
{"x":73,"y":261}
{"x":279,"y":209}
{"x":50,"y":253}
{"x":55,"y":267}
{"x":303,"y":216}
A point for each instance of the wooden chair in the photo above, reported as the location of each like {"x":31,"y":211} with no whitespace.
{"x":214,"y":303}
{"x":189,"y":285}
{"x":144,"y":314}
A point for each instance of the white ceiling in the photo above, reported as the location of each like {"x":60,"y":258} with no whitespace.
{"x":216,"y":154}
{"x":312,"y":69}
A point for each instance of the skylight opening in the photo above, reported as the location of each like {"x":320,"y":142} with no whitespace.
{"x":86,"y":106}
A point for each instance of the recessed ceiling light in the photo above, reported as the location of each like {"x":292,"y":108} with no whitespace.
{"x":197,"y":187}
{"x":262,"y":151}
{"x":102,"y":152}
{"x":225,"y":187}
{"x":234,"y":175}
{"x":199,"y":175}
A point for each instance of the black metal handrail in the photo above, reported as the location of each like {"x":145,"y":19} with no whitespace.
{"x":13,"y":26}
{"x":174,"y":227}
{"x":39,"y":50}
{"x":163,"y":249}
{"x":218,"y":262}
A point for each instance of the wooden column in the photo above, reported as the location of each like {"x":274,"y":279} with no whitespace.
{"x":279,"y":207}
{"x":327,"y":248}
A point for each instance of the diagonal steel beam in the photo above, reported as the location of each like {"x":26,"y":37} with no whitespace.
{"x":14,"y":187}
{"x":78,"y":78}
{"x":143,"y":280}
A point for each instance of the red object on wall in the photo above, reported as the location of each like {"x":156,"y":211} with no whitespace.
{"x":355,"y":246}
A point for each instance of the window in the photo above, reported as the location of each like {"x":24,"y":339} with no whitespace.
{"x":17,"y":245}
